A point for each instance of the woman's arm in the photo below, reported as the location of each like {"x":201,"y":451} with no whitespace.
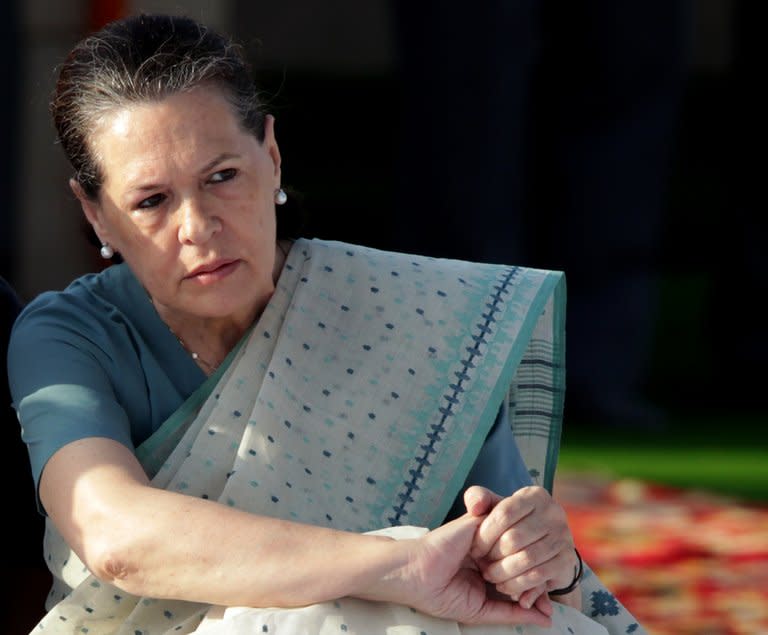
{"x":157,"y":543}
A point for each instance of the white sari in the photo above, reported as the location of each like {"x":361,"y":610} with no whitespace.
{"x":359,"y":400}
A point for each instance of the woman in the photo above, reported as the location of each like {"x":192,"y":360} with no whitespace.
{"x":209,"y":430}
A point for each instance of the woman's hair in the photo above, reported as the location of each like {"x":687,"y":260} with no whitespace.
{"x":139,"y":59}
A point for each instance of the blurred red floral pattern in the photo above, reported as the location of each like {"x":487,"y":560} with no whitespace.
{"x":682,"y":562}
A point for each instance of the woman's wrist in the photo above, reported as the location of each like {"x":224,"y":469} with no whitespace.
{"x":578,"y":573}
{"x":392,"y":583}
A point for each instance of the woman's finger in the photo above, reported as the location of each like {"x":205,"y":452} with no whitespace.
{"x":480,"y":500}
{"x":536,"y":597}
{"x":506,"y":612}
{"x":540,"y":558}
{"x":504,"y":515}
{"x":518,"y":538}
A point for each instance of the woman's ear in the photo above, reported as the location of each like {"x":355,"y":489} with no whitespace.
{"x":270,"y":144}
{"x":91,"y":210}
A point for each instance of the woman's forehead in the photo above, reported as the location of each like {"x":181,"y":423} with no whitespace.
{"x":185,"y":128}
{"x":183,"y":110}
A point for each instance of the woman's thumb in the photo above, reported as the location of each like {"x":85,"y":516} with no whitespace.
{"x":479,"y":501}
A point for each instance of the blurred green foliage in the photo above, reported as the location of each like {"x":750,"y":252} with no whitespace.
{"x":724,"y":455}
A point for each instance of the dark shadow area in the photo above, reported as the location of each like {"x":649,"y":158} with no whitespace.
{"x":343,"y":149}
{"x":710,"y":343}
{"x":29,"y":577}
{"x":337,"y":141}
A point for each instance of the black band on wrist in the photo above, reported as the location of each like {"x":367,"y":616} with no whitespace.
{"x":578,"y":573}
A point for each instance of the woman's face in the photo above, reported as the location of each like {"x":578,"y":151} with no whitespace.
{"x":188,"y":201}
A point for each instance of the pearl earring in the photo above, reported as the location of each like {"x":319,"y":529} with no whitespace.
{"x":280,"y":196}
{"x":106,"y":251}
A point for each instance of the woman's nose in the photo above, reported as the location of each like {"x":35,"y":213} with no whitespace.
{"x":197,"y":223}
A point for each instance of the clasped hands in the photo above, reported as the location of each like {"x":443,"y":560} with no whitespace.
{"x":496,"y":563}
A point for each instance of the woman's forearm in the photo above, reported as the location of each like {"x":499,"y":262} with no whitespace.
{"x":157,"y":543}
{"x":220,"y":555}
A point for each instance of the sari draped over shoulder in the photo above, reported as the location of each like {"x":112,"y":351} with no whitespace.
{"x":359,"y":400}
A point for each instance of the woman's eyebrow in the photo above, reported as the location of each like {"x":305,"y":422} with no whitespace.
{"x":138,"y":186}
{"x":224,"y":156}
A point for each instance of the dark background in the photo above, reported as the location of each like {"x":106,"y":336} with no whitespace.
{"x":340,"y":132}
{"x":340,"y":139}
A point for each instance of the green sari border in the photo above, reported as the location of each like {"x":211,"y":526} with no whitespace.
{"x":553,"y":283}
{"x":558,"y":383}
{"x":190,"y":407}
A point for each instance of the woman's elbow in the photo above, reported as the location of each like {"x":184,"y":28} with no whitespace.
{"x":115,"y":564}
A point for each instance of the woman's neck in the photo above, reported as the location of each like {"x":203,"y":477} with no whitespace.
{"x":208,"y":340}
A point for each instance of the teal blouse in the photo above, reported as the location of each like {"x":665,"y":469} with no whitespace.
{"x":96,"y":360}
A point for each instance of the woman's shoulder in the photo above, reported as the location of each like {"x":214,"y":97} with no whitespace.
{"x":91,"y":292}
{"x":87,"y":305}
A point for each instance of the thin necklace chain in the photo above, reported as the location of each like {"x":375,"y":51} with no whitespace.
{"x":212,"y":367}
{"x":195,"y":356}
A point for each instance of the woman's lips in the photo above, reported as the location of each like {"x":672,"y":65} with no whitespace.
{"x":208,"y":274}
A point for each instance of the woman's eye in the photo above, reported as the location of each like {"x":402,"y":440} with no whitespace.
{"x":223,"y":175}
{"x":152,"y":201}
